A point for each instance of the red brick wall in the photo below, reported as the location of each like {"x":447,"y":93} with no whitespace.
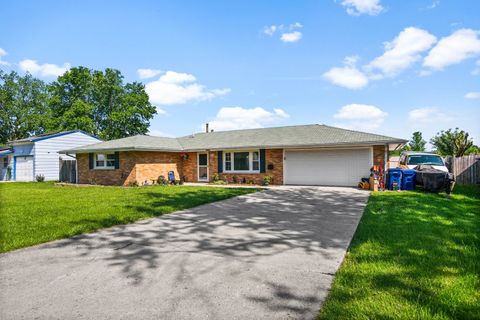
{"x":141,"y":166}
{"x":134,"y":166}
{"x":151,"y":165}
{"x":272,"y":156}
{"x":125,"y":174}
{"x":379,"y":155}
{"x":190,"y":167}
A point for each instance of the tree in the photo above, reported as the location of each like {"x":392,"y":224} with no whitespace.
{"x":100,"y":103}
{"x":23,"y":106}
{"x":417,"y":143}
{"x":452,"y":143}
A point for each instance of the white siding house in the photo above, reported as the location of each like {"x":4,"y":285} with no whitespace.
{"x":39,"y":155}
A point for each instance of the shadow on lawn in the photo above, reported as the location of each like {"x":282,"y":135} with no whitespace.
{"x":425,"y":239}
{"x":245,"y":229}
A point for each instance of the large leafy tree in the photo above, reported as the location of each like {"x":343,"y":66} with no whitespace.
{"x":23,"y":106}
{"x":417,"y":143}
{"x":101,"y":103}
{"x":452,"y":143}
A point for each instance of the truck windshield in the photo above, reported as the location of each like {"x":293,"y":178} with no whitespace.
{"x":425,"y":159}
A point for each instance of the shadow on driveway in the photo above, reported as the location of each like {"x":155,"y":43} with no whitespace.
{"x":270,"y":255}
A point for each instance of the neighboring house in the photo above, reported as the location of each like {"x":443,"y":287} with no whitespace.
{"x":26,"y":158}
{"x":302,"y":155}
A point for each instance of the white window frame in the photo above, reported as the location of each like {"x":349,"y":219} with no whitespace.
{"x":232,"y":158}
{"x":104,"y":167}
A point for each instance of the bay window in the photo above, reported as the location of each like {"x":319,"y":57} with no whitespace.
{"x":242,"y":161}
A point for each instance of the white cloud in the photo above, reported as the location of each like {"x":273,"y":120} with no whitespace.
{"x":179,"y":88}
{"x":2,"y":54}
{"x":362,"y":117}
{"x":288,"y":33}
{"x":291,"y":36}
{"x":232,"y":118}
{"x":270,"y":30}
{"x":428,"y":115}
{"x":359,"y":7}
{"x":148,"y":73}
{"x":460,"y":45}
{"x":44,"y":70}
{"x":472,"y":95}
{"x":296,"y":25}
{"x":348,"y":76}
{"x":434,"y":4}
{"x":403,"y":51}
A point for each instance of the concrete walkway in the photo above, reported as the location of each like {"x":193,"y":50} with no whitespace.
{"x":268,"y":255}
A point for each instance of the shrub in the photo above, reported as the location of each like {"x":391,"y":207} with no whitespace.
{"x":133,"y":183}
{"x":219,"y":182}
{"x":216,"y":177}
{"x":267,"y":180}
{"x":162,"y":181}
{"x":40,"y":177}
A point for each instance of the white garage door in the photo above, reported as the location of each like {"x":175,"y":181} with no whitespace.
{"x":24,"y":168}
{"x":334,"y":167}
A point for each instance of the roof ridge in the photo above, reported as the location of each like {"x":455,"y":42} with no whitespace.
{"x":251,"y":129}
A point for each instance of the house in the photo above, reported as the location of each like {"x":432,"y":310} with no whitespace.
{"x":298,"y":155}
{"x":24,"y":159}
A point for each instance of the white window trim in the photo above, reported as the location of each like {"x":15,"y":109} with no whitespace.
{"x":105,"y":167}
{"x":250,"y":157}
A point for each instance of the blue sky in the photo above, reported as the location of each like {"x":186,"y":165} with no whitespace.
{"x":390,"y":67}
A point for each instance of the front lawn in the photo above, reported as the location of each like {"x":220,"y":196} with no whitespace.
{"x":414,"y":256}
{"x":32,"y":213}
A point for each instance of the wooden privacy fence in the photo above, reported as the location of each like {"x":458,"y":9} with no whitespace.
{"x":466,"y":169}
{"x":68,"y":171}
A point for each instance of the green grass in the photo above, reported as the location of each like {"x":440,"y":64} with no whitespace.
{"x":33,"y":213}
{"x":414,"y":256}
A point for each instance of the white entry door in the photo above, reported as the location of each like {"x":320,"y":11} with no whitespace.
{"x":333,"y":167}
{"x":202,"y":165}
{"x":24,"y":168}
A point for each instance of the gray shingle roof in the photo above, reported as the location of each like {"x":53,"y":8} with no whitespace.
{"x":278,"y":137}
{"x":138,"y":142}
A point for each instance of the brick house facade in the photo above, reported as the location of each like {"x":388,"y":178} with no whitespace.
{"x":147,"y":166}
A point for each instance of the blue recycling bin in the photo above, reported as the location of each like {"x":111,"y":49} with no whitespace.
{"x":408,"y":179}
{"x":394,"y":178}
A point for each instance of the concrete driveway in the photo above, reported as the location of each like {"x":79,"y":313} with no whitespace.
{"x":268,"y":255}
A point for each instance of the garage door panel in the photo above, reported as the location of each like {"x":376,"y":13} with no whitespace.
{"x":24,"y":168}
{"x":341,"y":167}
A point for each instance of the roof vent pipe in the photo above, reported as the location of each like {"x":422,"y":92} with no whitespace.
{"x":206,"y":127}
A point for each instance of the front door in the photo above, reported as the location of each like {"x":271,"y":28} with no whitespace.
{"x":202,"y":165}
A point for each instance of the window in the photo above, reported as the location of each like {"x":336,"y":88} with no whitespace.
{"x":242,"y":161}
{"x":104,"y":160}
{"x":415,"y":159}
{"x":255,"y":161}
{"x":228,"y":161}
{"x":5,"y":162}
